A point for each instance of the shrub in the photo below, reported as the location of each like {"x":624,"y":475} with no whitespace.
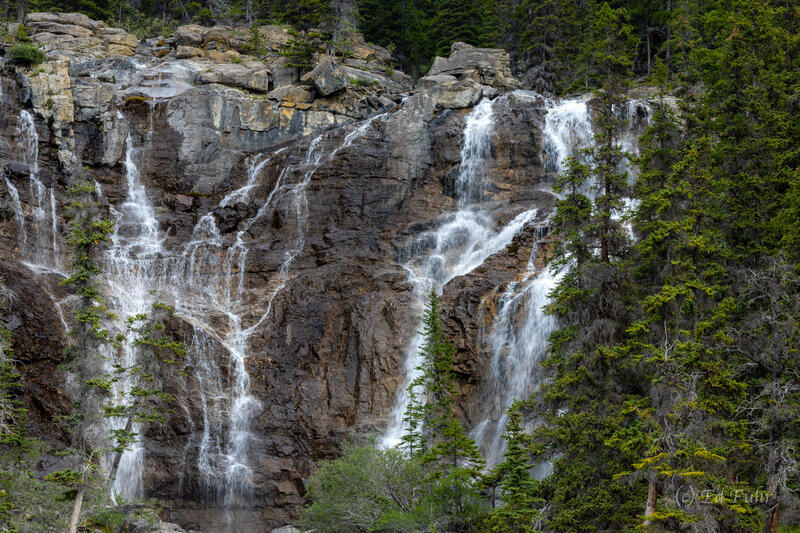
{"x":22,"y":34}
{"x":367,"y":489}
{"x":302,"y":48}
{"x":25,"y":55}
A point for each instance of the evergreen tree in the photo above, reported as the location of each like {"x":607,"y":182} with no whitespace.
{"x":145,"y":403}
{"x":449,"y":456}
{"x":541,"y":29}
{"x":459,"y":20}
{"x":518,"y":512}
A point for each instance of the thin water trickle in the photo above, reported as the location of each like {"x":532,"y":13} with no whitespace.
{"x":132,"y":284}
{"x":39,"y":234}
{"x":205,"y":282}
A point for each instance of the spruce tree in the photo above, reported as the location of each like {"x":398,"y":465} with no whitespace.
{"x":449,"y":456}
{"x":594,"y":378}
{"x":12,"y":411}
{"x":519,"y":509}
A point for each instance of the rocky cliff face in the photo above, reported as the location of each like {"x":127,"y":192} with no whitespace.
{"x":276,"y":214}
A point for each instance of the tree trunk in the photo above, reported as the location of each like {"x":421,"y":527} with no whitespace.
{"x":773,"y":468}
{"x":345,"y":14}
{"x":772,"y":520}
{"x":21,"y":9}
{"x":76,"y":511}
{"x":669,"y":28}
{"x":652,"y":497}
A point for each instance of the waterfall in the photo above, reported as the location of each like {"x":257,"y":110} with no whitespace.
{"x":132,"y":282}
{"x":205,"y":281}
{"x":517,"y":339}
{"x":517,"y":343}
{"x":19,"y":215}
{"x":40,"y":239}
{"x":461,"y":243}
{"x":567,"y":129}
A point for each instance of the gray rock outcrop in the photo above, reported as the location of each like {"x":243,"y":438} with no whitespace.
{"x":487,"y":66}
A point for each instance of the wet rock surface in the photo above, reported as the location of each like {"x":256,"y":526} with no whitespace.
{"x":348,"y":173}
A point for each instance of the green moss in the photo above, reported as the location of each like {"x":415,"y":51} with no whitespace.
{"x":362,"y":82}
{"x":136,"y":99}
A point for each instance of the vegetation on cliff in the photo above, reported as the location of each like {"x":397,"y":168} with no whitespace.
{"x":673,"y":394}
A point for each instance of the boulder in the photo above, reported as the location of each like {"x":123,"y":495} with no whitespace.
{"x":286,"y":529}
{"x":488,"y":66}
{"x":426,"y":82}
{"x":249,"y":77}
{"x":224,"y":38}
{"x":77,"y":34}
{"x":273,"y":38}
{"x":457,"y":94}
{"x":327,"y":77}
{"x":359,"y":49}
{"x":190,"y":35}
{"x":282,"y":73}
{"x":383,"y":83}
{"x":291,"y":93}
{"x":144,"y":526}
{"x":188,"y":52}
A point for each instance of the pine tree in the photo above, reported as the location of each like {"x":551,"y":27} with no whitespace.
{"x":94,"y":386}
{"x":594,"y":378}
{"x":449,"y":456}
{"x":518,"y":512}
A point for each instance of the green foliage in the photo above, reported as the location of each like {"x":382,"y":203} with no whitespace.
{"x":107,"y":520}
{"x":12,"y":411}
{"x":367,"y":489}
{"x":27,"y":502}
{"x":519,"y":492}
{"x":417,"y":30}
{"x":25,"y":55}
{"x":67,"y":477}
{"x":21,"y":34}
{"x":435,"y":436}
{"x":302,"y":48}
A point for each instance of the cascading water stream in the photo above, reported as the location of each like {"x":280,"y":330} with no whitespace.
{"x":205,"y":281}
{"x":462,"y":242}
{"x":518,"y":339}
{"x":39,"y":236}
{"x":225,"y":465}
{"x":132,"y":281}
{"x":16,"y":206}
